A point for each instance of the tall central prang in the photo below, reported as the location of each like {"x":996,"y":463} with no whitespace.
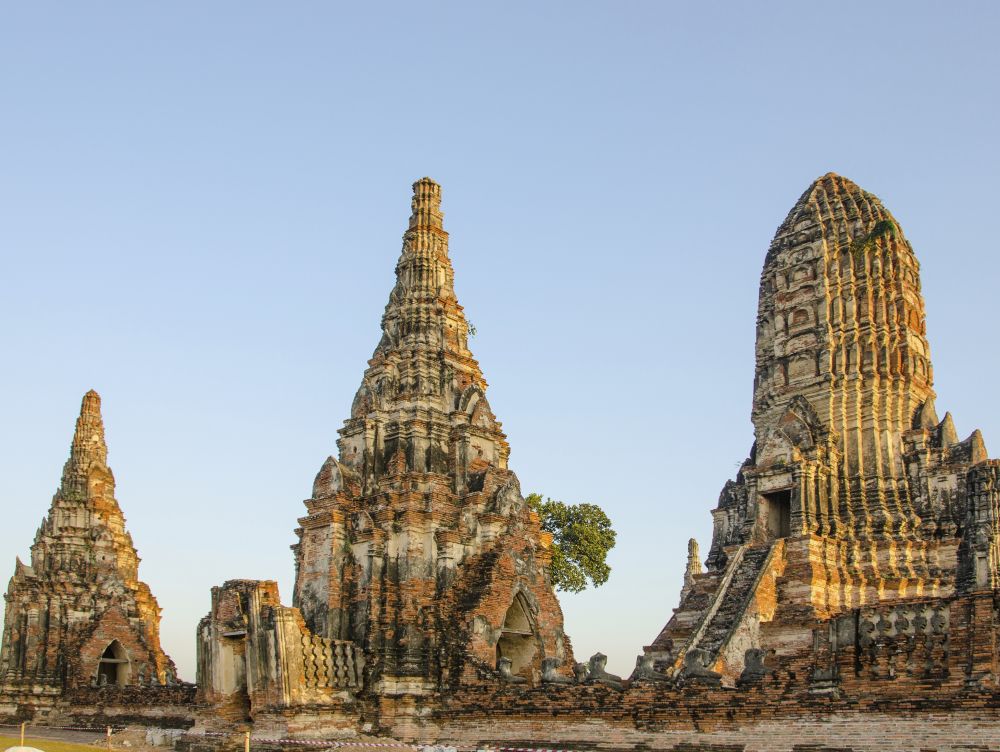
{"x":855,"y":495}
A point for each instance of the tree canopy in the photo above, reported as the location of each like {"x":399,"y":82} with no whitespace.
{"x":582,"y":536}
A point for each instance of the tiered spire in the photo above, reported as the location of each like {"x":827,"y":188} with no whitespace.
{"x":426,"y":205}
{"x":423,"y":312}
{"x":843,"y":363}
{"x":84,"y":531}
{"x":88,"y":449}
{"x":422,"y":363}
{"x":867,"y":492}
{"x":83,"y":579}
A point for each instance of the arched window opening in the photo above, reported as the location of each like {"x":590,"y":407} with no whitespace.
{"x":113,"y":668}
{"x":517,"y":637}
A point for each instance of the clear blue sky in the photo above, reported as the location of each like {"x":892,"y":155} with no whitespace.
{"x":201,"y":207}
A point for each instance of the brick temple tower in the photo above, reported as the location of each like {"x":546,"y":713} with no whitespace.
{"x":78,"y":615}
{"x":419,"y":527}
{"x":419,"y":566}
{"x":855,"y":493}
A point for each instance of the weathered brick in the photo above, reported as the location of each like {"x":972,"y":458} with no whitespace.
{"x":79,"y":616}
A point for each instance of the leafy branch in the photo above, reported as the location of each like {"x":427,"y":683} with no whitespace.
{"x":581,"y":537}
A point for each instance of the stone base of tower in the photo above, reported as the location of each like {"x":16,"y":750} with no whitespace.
{"x":260,"y":665}
{"x":919,"y":673}
{"x":772,"y":595}
{"x":18,"y":705}
{"x":97,"y":707}
{"x":330,"y":721}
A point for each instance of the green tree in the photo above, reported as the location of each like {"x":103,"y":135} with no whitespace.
{"x":582,"y":537}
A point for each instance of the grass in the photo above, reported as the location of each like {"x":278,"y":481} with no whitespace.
{"x":884,"y":228}
{"x":46,"y":745}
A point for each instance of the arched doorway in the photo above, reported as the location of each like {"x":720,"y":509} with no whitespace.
{"x":113,"y":668}
{"x":517,"y":638}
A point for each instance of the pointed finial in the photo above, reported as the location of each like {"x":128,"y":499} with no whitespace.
{"x":693,"y":567}
{"x":91,"y":403}
{"x":946,"y":431}
{"x":977,"y":448}
{"x":926,"y":416}
{"x":88,"y":439}
{"x":426,"y":205}
{"x":694,"y":559}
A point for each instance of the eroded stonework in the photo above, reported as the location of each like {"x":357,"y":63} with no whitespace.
{"x":857,"y":502}
{"x":418,"y":555}
{"x":852,"y":579}
{"x":78,"y":616}
{"x":851,"y":599}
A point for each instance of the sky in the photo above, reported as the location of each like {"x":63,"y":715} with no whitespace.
{"x":201,"y":207}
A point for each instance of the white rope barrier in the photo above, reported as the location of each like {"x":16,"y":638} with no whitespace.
{"x":326,"y":743}
{"x":310,"y":742}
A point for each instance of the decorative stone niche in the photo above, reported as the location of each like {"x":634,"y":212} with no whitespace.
{"x":517,"y":637}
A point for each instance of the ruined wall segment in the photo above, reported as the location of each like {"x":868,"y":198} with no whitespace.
{"x":855,"y":492}
{"x":78,"y":615}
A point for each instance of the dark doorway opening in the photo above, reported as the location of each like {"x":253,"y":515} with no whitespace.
{"x":778,"y":513}
{"x":113,"y":668}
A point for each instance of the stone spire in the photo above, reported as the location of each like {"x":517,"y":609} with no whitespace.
{"x":88,"y":452}
{"x":422,"y":499}
{"x":426,"y":205}
{"x":843,"y":363}
{"x":422,"y":362}
{"x":423,"y":313}
{"x":84,"y":507}
{"x":84,"y":564}
{"x":88,"y":439}
{"x":854,"y":494}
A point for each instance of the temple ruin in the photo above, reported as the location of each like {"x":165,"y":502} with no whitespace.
{"x":78,"y":616}
{"x":849,"y":600}
{"x":859,"y":509}
{"x":419,"y":567}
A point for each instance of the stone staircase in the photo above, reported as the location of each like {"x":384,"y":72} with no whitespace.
{"x":731,"y":600}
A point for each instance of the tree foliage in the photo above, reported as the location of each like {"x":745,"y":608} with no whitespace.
{"x":582,"y":536}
